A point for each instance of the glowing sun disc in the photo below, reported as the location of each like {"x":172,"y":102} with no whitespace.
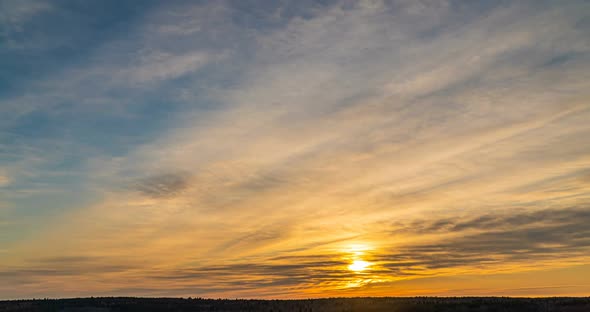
{"x":358,"y":265}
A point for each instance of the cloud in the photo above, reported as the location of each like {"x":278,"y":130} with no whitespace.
{"x":39,"y":270}
{"x":464,"y":123}
{"x":489,"y":242}
{"x":499,"y":221}
{"x":163,"y":185}
{"x":16,"y":13}
{"x":162,"y":66}
{"x":495,"y":240}
{"x":501,"y":241}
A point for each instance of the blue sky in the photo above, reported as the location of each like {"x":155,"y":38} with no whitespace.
{"x":152,"y":142}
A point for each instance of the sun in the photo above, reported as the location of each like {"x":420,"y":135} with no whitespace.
{"x":358,"y":265}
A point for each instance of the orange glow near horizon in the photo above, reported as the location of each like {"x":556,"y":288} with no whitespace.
{"x":357,"y":252}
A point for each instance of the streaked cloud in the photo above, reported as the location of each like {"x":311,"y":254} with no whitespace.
{"x":16,"y":13}
{"x":162,"y":185}
{"x":219,"y":149}
{"x":165,"y":66}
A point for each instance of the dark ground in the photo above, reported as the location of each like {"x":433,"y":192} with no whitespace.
{"x":487,"y":304}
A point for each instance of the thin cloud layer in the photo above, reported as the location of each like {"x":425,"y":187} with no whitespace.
{"x":162,"y":185}
{"x":219,"y":149}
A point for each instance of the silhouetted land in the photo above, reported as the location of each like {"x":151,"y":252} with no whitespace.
{"x":487,"y":304}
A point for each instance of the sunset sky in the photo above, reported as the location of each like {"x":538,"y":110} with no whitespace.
{"x":294,"y":149}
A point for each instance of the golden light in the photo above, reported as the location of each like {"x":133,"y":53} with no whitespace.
{"x":358,"y":249}
{"x":358,"y":265}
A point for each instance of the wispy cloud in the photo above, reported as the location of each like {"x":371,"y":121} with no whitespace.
{"x":16,"y":13}
{"x":163,"y":185}
{"x":246,"y":149}
{"x":162,"y":67}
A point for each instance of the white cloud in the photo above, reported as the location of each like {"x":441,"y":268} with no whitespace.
{"x":163,"y":66}
{"x":13,"y":13}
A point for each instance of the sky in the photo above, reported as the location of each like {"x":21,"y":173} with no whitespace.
{"x":294,"y":149}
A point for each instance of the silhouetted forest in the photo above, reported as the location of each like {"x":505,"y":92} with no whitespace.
{"x":487,"y":304}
